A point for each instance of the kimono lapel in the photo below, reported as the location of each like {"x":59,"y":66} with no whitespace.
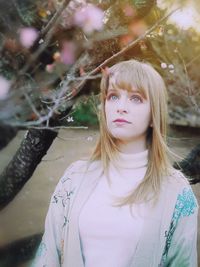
{"x":89,"y":180}
{"x":156,"y":224}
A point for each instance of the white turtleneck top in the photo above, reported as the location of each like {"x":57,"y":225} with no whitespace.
{"x":109,"y":234}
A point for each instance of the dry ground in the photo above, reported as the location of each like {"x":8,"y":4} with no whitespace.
{"x":25,"y":215}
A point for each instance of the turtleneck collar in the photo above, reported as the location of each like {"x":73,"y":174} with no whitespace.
{"x":131,"y":161}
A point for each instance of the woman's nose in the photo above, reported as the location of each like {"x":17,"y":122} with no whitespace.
{"x":121,"y":111}
{"x":122,"y":106}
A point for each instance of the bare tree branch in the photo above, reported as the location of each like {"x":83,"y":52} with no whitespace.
{"x":48,"y":32}
{"x":125,"y":49}
{"x":54,"y":20}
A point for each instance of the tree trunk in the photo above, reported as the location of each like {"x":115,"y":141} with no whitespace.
{"x":20,"y":251}
{"x":7,"y":134}
{"x":190,"y":166}
{"x":21,"y":167}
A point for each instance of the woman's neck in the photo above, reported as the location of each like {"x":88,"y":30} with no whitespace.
{"x":131,"y":160}
{"x":132,"y":147}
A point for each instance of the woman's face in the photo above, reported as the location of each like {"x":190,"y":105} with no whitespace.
{"x":128,"y":115}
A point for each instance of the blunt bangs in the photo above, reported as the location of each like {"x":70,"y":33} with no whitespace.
{"x":121,"y":76}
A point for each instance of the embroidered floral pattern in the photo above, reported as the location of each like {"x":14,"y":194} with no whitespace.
{"x":65,"y":221}
{"x":41,"y":250}
{"x":185,"y":203}
{"x":63,"y":194}
{"x":61,"y":197}
{"x":185,"y":206}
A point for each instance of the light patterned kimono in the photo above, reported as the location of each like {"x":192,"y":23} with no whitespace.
{"x":169,"y":237}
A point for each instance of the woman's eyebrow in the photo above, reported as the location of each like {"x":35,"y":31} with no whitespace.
{"x":139,"y":93}
{"x":135,"y":91}
{"x":112,"y":90}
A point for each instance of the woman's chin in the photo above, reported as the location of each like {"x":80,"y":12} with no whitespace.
{"x":122,"y":138}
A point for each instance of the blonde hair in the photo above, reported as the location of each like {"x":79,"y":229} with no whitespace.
{"x":149,"y":82}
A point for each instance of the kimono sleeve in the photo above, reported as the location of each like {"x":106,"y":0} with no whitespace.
{"x":181,"y":242}
{"x":49,"y":252}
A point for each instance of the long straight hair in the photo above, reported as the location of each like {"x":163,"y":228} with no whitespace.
{"x":147,"y":80}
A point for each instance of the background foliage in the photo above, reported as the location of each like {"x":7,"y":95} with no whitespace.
{"x":46,"y":77}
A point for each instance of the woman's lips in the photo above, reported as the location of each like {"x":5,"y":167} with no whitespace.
{"x":121,"y":121}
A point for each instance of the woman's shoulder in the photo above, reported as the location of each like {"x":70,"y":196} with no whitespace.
{"x":176,"y":177}
{"x":76,"y":170}
{"x":179,"y":183}
{"x":83,"y":165}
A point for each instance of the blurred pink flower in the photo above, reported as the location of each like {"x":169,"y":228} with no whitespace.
{"x":163,"y":65}
{"x":50,"y":67}
{"x":129,"y":11}
{"x":28,"y":36}
{"x":89,"y":18}
{"x":137,"y":28}
{"x":67,"y":55}
{"x":56,"y":56}
{"x":4,"y":88}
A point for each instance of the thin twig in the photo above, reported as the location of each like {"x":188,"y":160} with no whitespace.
{"x":53,"y":21}
{"x":125,"y":49}
{"x":193,"y":60}
{"x":48,"y":32}
{"x":57,"y":100}
{"x":190,"y":93}
{"x":31,"y":104}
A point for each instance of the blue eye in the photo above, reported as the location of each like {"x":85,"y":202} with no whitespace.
{"x":112,"y":97}
{"x":136,"y":99}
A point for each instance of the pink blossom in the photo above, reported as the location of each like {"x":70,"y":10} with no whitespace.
{"x":163,"y":65}
{"x":28,"y":36}
{"x":4,"y":88}
{"x":50,"y":67}
{"x":129,"y":11}
{"x":56,"y":56}
{"x":137,"y":28}
{"x":67,"y":54}
{"x":89,"y":18}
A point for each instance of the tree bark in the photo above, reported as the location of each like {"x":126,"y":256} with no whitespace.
{"x":7,"y":134}
{"x":21,"y":167}
{"x":20,"y":251}
{"x":190,"y":166}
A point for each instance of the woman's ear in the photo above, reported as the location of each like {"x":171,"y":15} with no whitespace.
{"x":151,"y":124}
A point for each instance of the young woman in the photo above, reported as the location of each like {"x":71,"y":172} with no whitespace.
{"x":126,"y":206}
